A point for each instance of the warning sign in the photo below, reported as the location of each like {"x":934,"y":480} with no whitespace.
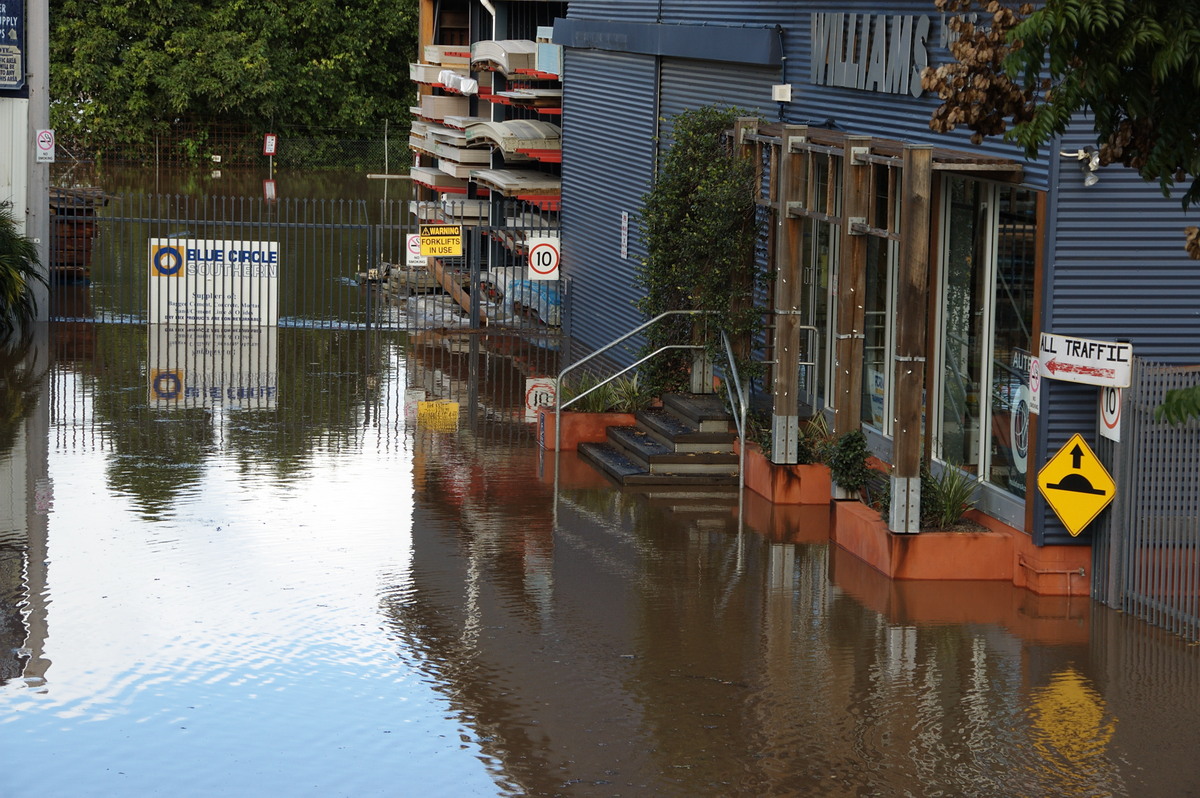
{"x":1076,"y":485}
{"x":441,"y":240}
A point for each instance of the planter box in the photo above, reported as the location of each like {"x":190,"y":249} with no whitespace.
{"x":927,"y":555}
{"x":578,"y":428}
{"x":786,"y":484}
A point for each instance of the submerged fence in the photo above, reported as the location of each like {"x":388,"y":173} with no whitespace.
{"x":338,"y":263}
{"x":1146,"y":554}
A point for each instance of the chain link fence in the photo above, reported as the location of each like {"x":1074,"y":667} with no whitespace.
{"x":382,"y":148}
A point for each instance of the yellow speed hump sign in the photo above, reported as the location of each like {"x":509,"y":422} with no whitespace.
{"x":1076,"y":485}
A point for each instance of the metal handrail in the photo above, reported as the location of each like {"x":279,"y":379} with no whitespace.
{"x":740,"y":402}
{"x":559,"y":404}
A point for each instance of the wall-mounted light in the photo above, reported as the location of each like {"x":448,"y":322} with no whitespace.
{"x":1089,"y":162}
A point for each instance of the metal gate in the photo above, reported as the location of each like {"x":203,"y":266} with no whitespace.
{"x":1146,"y":552}
{"x":338,"y":266}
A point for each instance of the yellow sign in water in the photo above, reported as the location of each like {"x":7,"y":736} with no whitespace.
{"x":440,"y":415}
{"x":441,"y":240}
{"x":1076,"y":485}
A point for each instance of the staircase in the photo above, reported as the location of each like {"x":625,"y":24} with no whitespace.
{"x":687,"y":441}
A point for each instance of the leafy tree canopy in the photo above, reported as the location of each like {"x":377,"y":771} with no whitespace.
{"x":122,"y":70}
{"x":699,"y":226}
{"x":1133,"y":64}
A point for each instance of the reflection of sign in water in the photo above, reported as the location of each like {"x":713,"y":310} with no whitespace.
{"x":166,"y":384}
{"x":440,"y":415}
{"x":1076,"y":485}
{"x":208,"y":366}
{"x":197,"y":281}
{"x":1071,"y":723}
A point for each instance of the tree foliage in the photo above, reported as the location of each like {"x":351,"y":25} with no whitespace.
{"x":700,"y":227}
{"x":1133,"y":64}
{"x":122,"y":70}
{"x":19,"y":271}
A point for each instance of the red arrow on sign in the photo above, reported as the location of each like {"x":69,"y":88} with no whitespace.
{"x":1053,"y":366}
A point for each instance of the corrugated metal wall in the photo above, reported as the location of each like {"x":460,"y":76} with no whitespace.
{"x":1116,"y":271}
{"x":608,"y":161}
{"x":624,"y":10}
{"x":685,"y":84}
{"x":723,"y":12}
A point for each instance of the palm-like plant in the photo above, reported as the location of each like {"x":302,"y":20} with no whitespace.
{"x":19,"y":270}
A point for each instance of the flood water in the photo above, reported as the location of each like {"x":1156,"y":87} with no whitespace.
{"x":316,"y":591}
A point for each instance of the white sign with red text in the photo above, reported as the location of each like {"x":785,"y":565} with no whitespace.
{"x":1104,"y":363}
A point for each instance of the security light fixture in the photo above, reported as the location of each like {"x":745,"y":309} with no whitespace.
{"x":1089,"y":162}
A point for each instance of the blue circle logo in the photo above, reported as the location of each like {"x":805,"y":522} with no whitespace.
{"x":168,"y":261}
{"x":167,"y":385}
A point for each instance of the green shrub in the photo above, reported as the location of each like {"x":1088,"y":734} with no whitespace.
{"x":847,"y":459}
{"x":947,"y":497}
{"x":18,"y":271}
{"x":621,"y":395}
{"x":628,"y":395}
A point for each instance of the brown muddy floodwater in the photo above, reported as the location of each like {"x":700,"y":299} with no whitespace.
{"x":309,"y":591}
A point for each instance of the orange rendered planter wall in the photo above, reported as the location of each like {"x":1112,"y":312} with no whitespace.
{"x":578,"y":428}
{"x":786,"y":484}
{"x":998,"y":554}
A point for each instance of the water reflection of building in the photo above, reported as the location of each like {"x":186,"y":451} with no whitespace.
{"x":611,"y":644}
{"x":25,"y":498}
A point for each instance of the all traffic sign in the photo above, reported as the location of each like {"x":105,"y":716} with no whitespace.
{"x":1086,"y":361}
{"x":1076,"y":485}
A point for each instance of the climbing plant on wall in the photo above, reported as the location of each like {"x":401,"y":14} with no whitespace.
{"x":700,"y":228}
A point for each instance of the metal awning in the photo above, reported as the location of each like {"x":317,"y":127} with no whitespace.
{"x":882,"y":150}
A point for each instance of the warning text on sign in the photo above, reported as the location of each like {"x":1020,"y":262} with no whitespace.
{"x":441,"y":240}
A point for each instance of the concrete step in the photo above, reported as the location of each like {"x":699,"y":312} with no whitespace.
{"x":618,"y":465}
{"x":683,"y":434}
{"x":707,"y":412}
{"x":651,"y":453}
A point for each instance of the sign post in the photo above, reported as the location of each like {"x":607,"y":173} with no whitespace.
{"x":270,"y":140}
{"x":1076,"y":485}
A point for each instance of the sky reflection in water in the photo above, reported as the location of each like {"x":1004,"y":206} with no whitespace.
{"x":320,"y":597}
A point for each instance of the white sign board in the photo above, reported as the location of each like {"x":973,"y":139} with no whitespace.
{"x":1086,"y":361}
{"x":233,"y":367}
{"x":45,"y":146}
{"x":1035,"y":385}
{"x":206,"y":282}
{"x":1110,"y":413}
{"x":539,"y":392}
{"x":543,"y":257}
{"x":412,"y":252}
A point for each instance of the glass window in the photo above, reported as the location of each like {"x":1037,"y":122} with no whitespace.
{"x":1012,"y":338}
{"x":964,"y":270}
{"x":987,"y":289}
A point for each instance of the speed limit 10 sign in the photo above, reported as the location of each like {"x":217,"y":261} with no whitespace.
{"x":543,"y":257}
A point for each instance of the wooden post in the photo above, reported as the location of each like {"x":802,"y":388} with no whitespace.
{"x":851,"y":289}
{"x":912,"y":296}
{"x":788,"y":298}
